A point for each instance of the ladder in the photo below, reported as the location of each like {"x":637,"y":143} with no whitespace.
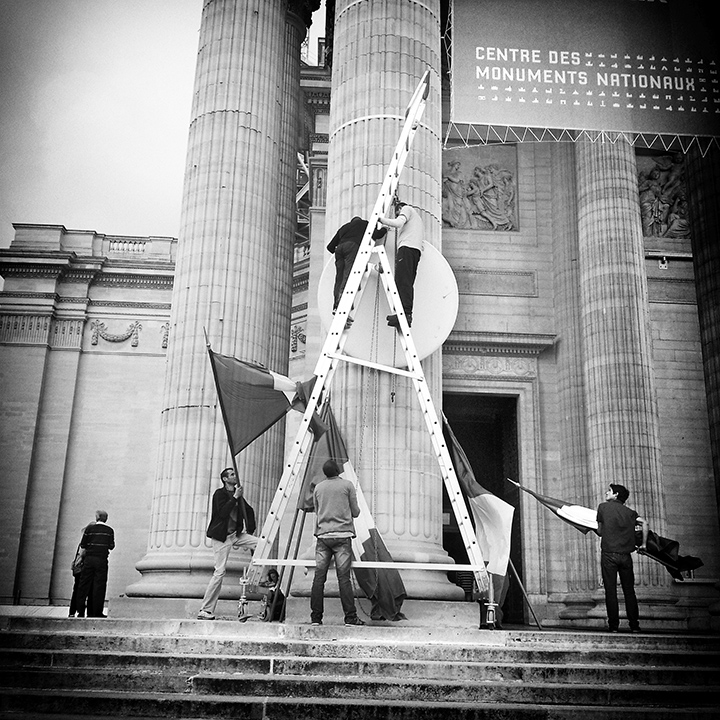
{"x":332,"y":354}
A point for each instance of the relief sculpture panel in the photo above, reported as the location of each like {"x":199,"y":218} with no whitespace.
{"x":479,"y":188}
{"x":663,"y":201}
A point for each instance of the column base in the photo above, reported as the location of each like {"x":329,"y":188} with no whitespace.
{"x":681,"y":606}
{"x":186,"y":575}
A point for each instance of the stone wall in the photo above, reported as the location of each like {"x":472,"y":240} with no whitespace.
{"x":83,"y":331}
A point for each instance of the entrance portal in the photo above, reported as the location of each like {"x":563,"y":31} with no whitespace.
{"x":486,"y":428}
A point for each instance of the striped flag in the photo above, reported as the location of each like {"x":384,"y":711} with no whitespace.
{"x":383,"y":586}
{"x":493,"y":516}
{"x":252,"y":398}
{"x":581,"y":518}
{"x":584,"y":519}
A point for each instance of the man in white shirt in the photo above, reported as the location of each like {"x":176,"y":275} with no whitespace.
{"x":407,"y":255}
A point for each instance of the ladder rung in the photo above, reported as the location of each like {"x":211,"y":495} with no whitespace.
{"x":444,"y":567}
{"x":374,"y":366}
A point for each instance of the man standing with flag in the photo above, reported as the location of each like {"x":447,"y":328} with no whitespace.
{"x":616,"y":527}
{"x":335,"y":502}
{"x":232,"y":523}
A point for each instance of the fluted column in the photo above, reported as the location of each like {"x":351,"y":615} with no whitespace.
{"x":380,"y":52}
{"x":284,"y":251}
{"x":573,"y":466}
{"x":225,"y":273}
{"x":703,"y":193}
{"x":622,"y":424}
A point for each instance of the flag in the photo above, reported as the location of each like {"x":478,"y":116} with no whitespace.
{"x":667,"y":553}
{"x":383,"y":586}
{"x":581,"y":518}
{"x":493,"y":516}
{"x":657,"y":548}
{"x":299,"y":403}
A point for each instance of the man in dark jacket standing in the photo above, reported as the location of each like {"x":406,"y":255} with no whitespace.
{"x":344,"y":246}
{"x":616,"y":526}
{"x":98,"y":540}
{"x":232,"y":522}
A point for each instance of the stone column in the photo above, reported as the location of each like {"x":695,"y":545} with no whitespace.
{"x":225,"y":279}
{"x":703,"y":194}
{"x":380,"y":52}
{"x":622,"y":425}
{"x":580,"y":568}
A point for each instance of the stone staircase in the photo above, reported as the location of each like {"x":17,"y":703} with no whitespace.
{"x":71,"y":668}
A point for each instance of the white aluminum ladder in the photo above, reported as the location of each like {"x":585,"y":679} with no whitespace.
{"x":332,"y":354}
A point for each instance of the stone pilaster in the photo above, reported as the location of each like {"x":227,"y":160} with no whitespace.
{"x":380,"y":52}
{"x":225,"y":274}
{"x":622,"y":427}
{"x":703,"y":194}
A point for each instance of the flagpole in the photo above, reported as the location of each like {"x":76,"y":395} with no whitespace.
{"x":525,"y":595}
{"x":225,"y":422}
{"x":297,"y":547}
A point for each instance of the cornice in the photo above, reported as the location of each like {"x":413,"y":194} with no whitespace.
{"x":134,"y":281}
{"x":462,"y":342}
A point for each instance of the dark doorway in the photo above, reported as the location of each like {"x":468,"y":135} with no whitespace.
{"x":486,"y":428}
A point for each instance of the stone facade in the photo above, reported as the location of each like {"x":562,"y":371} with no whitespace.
{"x":83,"y":336}
{"x":579,"y":334}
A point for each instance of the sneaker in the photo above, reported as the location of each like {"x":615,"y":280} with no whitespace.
{"x":316,"y":622}
{"x":354,"y":621}
{"x":205,"y":615}
{"x":635,"y":630}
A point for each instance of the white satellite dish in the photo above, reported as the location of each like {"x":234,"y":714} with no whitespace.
{"x":434,"y":312}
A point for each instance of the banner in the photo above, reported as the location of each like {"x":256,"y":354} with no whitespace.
{"x":638,"y":66}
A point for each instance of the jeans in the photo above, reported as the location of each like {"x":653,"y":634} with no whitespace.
{"x":612,"y":565}
{"x":221,"y":552}
{"x":325,"y":550}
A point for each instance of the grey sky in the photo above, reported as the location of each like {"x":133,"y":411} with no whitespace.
{"x":94,"y":109}
{"x":95,"y":99}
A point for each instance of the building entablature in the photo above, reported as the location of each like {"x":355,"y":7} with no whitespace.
{"x":463,"y":342}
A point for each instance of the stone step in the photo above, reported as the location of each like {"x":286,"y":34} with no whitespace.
{"x":369,"y":687}
{"x":574,"y":670}
{"x":368,"y":641}
{"x":397,"y":690}
{"x":66,"y":705}
{"x":356,"y":650}
{"x":195,"y":669}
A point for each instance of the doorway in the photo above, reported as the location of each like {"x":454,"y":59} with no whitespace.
{"x":486,"y":428}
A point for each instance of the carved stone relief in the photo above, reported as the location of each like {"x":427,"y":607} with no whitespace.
{"x":32,"y":329}
{"x":479,"y":188}
{"x":67,"y":333}
{"x":662,"y":196}
{"x":165,"y":332}
{"x":297,"y":337}
{"x":489,"y":366}
{"x":100,"y":331}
